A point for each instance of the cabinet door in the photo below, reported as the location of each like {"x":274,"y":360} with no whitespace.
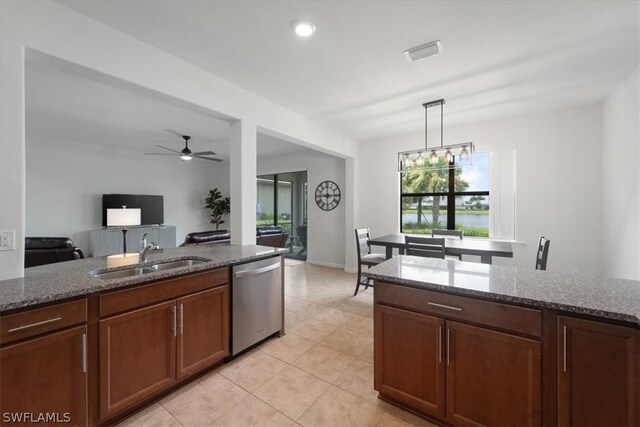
{"x":137,"y":356}
{"x":493,"y":378}
{"x":598,"y":376}
{"x":45,"y":377}
{"x":409,"y":361}
{"x":203,"y":331}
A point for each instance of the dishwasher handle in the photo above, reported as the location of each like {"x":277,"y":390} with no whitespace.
{"x":245,"y":273}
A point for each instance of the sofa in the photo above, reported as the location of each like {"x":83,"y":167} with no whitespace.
{"x":271,"y":236}
{"x":49,"y":250}
{"x":265,"y":236}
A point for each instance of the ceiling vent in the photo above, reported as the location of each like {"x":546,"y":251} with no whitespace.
{"x":424,"y":51}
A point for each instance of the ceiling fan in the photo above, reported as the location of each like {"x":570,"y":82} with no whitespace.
{"x":187,"y":154}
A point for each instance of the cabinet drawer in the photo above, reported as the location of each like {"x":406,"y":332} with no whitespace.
{"x":128,"y":299}
{"x":40,"y":320}
{"x":509,"y":317}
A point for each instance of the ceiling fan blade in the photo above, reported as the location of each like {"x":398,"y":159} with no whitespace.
{"x":204,"y":153}
{"x":168,"y":149}
{"x":159,"y":154}
{"x":213,"y":159}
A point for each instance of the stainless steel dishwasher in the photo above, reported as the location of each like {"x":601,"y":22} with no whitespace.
{"x":256,"y":302}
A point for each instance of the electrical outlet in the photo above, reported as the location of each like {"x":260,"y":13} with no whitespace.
{"x":7,"y":240}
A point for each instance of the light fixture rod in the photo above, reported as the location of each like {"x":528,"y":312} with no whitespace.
{"x":427,"y":105}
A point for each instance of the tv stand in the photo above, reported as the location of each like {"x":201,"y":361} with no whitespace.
{"x":108,"y":241}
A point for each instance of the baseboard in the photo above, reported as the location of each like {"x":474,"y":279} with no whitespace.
{"x":350,"y":270}
{"x":325,"y":264}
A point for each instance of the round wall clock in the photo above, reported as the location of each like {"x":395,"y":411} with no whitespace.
{"x":328,"y":195}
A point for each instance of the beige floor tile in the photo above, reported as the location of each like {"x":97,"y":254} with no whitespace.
{"x":348,"y":341}
{"x":313,"y":330}
{"x":253,"y":371}
{"x":337,"y":407}
{"x":324,"y":362}
{"x":361,"y":324}
{"x":201,"y":403}
{"x":302,"y":306}
{"x":288,"y":348}
{"x":153,"y":416}
{"x":389,"y":420}
{"x":291,"y":320}
{"x":291,"y":391}
{"x":367,"y":354}
{"x":252,"y":412}
{"x":358,"y":379}
{"x":409,"y":417}
{"x":332,"y":316}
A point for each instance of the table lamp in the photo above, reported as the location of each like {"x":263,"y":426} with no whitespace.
{"x":122,"y":218}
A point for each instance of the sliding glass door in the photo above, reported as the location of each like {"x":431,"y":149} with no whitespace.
{"x":282,"y":201}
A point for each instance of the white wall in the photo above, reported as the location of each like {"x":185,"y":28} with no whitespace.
{"x":50,"y":28}
{"x":558,"y":182}
{"x":621,"y":181}
{"x":65,"y":183}
{"x":326,"y":230}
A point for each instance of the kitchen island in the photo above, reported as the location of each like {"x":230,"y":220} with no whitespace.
{"x":473,"y":344}
{"x":88,"y":342}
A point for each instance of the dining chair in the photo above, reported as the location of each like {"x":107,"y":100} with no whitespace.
{"x":365,"y":257}
{"x":431,"y":247}
{"x":542,"y":253}
{"x":452,"y":233}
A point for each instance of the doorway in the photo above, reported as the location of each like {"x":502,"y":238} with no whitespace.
{"x":282,"y":201}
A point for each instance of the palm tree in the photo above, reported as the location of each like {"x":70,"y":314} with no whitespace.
{"x":431,"y":179}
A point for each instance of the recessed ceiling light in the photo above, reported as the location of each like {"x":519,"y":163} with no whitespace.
{"x":424,"y":50}
{"x":304,"y":28}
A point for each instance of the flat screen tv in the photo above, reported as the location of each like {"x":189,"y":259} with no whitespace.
{"x":152,"y":207}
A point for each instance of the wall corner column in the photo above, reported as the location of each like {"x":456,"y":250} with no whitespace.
{"x":242,"y":174}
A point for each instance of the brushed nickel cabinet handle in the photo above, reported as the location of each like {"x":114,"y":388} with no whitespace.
{"x":84,"y":353}
{"x":439,"y":344}
{"x":448,"y":307}
{"x":32,"y":325}
{"x":564,"y":348}
{"x":181,"y":319}
{"x":448,"y":345}
{"x":175,"y":321}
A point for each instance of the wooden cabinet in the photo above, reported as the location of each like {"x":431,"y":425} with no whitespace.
{"x":598,"y":374}
{"x":45,"y":377}
{"x":145,"y":351}
{"x":137,"y":356}
{"x":409,"y":362}
{"x":466,"y":374}
{"x":203,"y":336}
{"x":493,"y":378}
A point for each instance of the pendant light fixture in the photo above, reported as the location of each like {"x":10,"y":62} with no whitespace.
{"x":429,"y":157}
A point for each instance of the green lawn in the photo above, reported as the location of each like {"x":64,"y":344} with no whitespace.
{"x":469,"y":232}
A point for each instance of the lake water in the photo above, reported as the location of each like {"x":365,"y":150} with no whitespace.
{"x":470,"y":221}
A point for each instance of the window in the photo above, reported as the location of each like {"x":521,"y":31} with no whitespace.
{"x":446,"y":198}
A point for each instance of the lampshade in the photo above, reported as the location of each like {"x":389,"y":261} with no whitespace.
{"x":123,"y":217}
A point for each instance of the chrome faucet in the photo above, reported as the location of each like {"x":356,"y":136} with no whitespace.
{"x":145,"y":247}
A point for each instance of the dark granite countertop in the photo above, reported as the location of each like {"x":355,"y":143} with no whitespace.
{"x":615,"y":299}
{"x":64,"y":280}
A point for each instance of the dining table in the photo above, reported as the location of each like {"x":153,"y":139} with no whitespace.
{"x":484,"y":248}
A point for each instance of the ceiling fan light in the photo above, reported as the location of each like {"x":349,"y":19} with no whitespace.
{"x":185,"y":157}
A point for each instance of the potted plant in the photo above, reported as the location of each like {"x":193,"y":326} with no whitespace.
{"x":219,"y":206}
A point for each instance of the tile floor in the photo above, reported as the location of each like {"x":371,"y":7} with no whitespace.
{"x":319,"y":374}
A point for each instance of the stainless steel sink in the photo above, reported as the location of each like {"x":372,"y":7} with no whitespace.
{"x":123,"y":273}
{"x":175,"y":264}
{"x":138,"y":271}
